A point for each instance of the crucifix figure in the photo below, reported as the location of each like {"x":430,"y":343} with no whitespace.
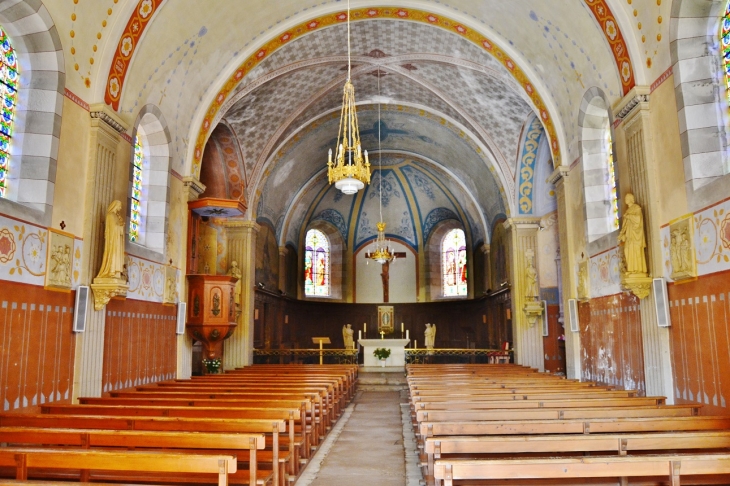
{"x":385,"y":276}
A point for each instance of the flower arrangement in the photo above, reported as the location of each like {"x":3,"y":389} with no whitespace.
{"x":381,"y":353}
{"x":212,"y":365}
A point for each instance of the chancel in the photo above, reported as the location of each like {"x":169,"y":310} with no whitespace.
{"x":250,"y":198}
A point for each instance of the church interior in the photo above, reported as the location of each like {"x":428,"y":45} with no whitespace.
{"x":205,"y":188}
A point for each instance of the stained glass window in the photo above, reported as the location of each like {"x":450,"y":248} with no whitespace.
{"x":453,"y":263}
{"x":135,"y":214}
{"x":612,"y":181}
{"x":316,"y":264}
{"x":9,"y":95}
{"x":725,"y":49}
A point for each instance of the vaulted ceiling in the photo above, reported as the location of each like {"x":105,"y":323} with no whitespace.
{"x":452,"y":84}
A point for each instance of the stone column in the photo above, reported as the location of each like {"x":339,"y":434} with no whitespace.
{"x":644,"y":174}
{"x":568,"y":264}
{"x":521,"y":239}
{"x":103,"y":143}
{"x":194,"y":188}
{"x":282,"y":268}
{"x":238,"y":349}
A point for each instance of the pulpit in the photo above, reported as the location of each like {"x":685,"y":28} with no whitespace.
{"x":211,"y":311}
{"x":397,"y":348}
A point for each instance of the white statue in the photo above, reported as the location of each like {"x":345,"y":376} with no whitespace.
{"x":347,"y":336}
{"x":430,"y":335}
{"x":531,"y":291}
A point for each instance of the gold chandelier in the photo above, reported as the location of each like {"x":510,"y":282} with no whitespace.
{"x":382,"y":253}
{"x":349,"y":171}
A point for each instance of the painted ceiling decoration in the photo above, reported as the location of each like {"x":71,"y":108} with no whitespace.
{"x":615,"y":39}
{"x":366,"y":14}
{"x":128,"y":42}
{"x":526,"y":172}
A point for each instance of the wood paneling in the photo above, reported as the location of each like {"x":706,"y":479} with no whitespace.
{"x":36,"y":346}
{"x":610,"y":333}
{"x":552,"y":344}
{"x":700,"y":341}
{"x":140,"y":344}
{"x":460,"y":323}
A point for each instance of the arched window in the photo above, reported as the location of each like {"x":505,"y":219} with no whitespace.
{"x":611,"y":183}
{"x":135,"y":212}
{"x":453,"y":263}
{"x":9,"y":88}
{"x":725,"y":49}
{"x":316,"y":264}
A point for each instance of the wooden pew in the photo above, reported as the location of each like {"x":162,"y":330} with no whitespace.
{"x":671,"y":466}
{"x":480,"y":447}
{"x":148,"y":463}
{"x":222,"y":444}
{"x":271,"y":428}
{"x":464,"y":403}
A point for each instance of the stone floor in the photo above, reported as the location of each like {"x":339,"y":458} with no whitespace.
{"x":366,"y":446}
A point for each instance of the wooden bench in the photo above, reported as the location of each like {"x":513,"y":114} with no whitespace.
{"x":463,"y":403}
{"x":271,"y":428}
{"x":671,"y":466}
{"x":191,"y":442}
{"x":25,"y":460}
{"x":622,"y":444}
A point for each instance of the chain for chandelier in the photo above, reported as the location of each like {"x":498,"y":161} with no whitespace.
{"x":349,"y":173}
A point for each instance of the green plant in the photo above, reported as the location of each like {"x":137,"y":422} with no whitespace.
{"x":212,"y":365}
{"x":381,"y":353}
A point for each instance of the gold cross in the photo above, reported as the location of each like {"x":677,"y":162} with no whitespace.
{"x":578,"y":78}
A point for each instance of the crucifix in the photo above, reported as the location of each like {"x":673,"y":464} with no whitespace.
{"x":385,"y":275}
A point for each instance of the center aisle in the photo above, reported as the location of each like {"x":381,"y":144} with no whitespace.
{"x":366,"y":446}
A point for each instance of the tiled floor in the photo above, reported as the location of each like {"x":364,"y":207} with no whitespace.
{"x":366,"y":446}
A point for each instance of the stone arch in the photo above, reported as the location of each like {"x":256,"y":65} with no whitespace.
{"x":152,"y":129}
{"x":695,"y":52}
{"x":432,"y":254}
{"x":594,"y":119}
{"x":337,"y":258}
{"x":34,"y":150}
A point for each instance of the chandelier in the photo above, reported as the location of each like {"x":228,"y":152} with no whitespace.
{"x":382,"y":253}
{"x":349,"y":171}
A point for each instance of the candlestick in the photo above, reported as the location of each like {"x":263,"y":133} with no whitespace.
{"x":407,"y":334}
{"x":401,"y":327}
{"x":365,"y":327}
{"x":359,"y":335}
{"x":382,"y":334}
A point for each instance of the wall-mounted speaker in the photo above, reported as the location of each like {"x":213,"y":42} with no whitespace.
{"x":661,"y":302}
{"x":545,"y":330}
{"x":573,"y":315}
{"x":80,"y":305}
{"x":182,"y":308}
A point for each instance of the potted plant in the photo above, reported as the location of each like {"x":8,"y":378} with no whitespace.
{"x":382,"y":354}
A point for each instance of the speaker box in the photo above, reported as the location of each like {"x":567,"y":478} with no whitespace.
{"x":573,"y":315}
{"x":661,"y":302}
{"x":181,"y":311}
{"x":80,"y":306}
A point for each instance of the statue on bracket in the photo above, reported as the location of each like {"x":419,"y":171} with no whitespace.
{"x":533,"y":307}
{"x":634,"y":272}
{"x":111,"y":281}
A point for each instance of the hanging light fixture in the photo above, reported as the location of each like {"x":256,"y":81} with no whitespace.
{"x":382,"y":253}
{"x":349,"y":171}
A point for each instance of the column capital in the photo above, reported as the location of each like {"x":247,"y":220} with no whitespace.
{"x":560,"y":173}
{"x":526,"y":223}
{"x":638,"y":96}
{"x":246,"y":225}
{"x":101,"y":112}
{"x":484,"y":248}
{"x":195,"y":187}
{"x":283,"y":250}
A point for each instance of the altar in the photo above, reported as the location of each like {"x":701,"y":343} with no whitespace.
{"x":397,"y":348}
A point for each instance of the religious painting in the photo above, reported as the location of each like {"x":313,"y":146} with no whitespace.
{"x":385,"y":319}
{"x":682,"y":249}
{"x":453,"y":263}
{"x":316,"y":264}
{"x":60,"y":259}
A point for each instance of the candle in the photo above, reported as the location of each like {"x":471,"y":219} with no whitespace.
{"x":401,"y":327}
{"x":364,"y":327}
{"x":359,"y":335}
{"x":407,"y":334}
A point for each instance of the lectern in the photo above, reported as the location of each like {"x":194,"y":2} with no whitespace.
{"x":321,"y":341}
